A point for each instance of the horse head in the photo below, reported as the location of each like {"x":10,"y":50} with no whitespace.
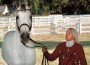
{"x":24,"y":21}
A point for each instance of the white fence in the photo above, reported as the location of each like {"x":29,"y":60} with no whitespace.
{"x":52,"y":24}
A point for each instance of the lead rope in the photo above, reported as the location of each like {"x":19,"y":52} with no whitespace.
{"x":44,"y":60}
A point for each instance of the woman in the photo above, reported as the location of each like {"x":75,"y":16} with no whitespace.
{"x":69,"y":52}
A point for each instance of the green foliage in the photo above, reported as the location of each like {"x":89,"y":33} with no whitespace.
{"x":45,"y":7}
{"x":65,"y":6}
{"x":35,"y":6}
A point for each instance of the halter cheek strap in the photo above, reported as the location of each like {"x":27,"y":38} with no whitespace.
{"x":23,"y":24}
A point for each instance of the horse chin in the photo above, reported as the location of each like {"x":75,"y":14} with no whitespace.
{"x":25,"y":38}
{"x":24,"y":42}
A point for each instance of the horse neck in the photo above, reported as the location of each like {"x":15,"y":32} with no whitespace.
{"x":30,"y":43}
{"x":17,"y":32}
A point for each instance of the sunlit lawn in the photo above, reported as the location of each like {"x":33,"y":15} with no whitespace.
{"x":51,"y":46}
{"x":51,"y":41}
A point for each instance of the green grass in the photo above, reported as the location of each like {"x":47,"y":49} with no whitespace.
{"x":1,"y":44}
{"x":51,"y":46}
{"x":85,"y":43}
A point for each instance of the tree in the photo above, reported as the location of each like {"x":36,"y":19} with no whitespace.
{"x":6,"y":1}
{"x":76,"y":7}
{"x":55,"y":6}
{"x":35,"y":6}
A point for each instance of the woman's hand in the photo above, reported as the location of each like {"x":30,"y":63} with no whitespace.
{"x":44,"y":49}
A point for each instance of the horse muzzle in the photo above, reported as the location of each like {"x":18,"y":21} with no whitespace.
{"x":25,"y":37}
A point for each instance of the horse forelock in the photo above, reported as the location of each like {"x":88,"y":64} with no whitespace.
{"x":24,"y":16}
{"x":23,"y":7}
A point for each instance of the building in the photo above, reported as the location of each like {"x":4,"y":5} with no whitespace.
{"x":4,"y":10}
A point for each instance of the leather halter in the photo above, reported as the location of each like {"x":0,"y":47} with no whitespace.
{"x":44,"y":60}
{"x":24,"y":24}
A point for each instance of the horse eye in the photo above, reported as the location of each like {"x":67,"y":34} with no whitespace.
{"x":17,"y":17}
{"x":31,"y":17}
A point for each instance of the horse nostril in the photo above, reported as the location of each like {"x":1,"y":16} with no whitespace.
{"x":25,"y":37}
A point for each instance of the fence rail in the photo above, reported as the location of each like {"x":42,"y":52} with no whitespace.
{"x":52,"y":24}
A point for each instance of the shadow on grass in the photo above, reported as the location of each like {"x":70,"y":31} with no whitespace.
{"x":85,"y":43}
{"x":51,"y":44}
{"x":1,"y":44}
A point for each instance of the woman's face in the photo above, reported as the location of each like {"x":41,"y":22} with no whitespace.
{"x":69,"y":35}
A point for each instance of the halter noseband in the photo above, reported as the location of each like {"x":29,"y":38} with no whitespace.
{"x":23,"y":25}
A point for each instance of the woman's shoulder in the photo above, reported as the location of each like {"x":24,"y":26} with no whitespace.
{"x":79,"y":45}
{"x":61,"y":44}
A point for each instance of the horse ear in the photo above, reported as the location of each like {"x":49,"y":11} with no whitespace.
{"x":28,"y":3}
{"x":18,"y":3}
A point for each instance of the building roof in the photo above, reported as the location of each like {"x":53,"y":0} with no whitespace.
{"x":2,"y":8}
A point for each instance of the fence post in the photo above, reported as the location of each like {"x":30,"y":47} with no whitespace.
{"x":78,"y":25}
{"x":80,"y":28}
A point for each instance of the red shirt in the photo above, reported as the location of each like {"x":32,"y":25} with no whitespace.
{"x":68,"y":55}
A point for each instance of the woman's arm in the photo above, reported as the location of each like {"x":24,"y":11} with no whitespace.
{"x":82,"y":56}
{"x":53,"y":56}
